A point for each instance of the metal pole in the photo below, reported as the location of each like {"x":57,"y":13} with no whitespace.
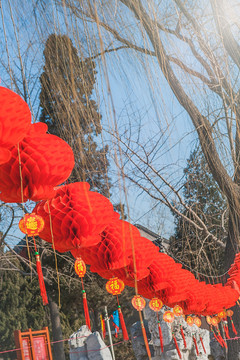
{"x":109,"y":332}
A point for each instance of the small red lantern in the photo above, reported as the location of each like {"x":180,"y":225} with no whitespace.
{"x":222,"y":314}
{"x":215,"y":320}
{"x":229,"y":313}
{"x":197,"y":321}
{"x":168,"y":316}
{"x":115,"y":286}
{"x":31,"y":224}
{"x":209,"y":320}
{"x":190,"y":321}
{"x":156,"y":304}
{"x":177,"y":310}
{"x":80,"y":267}
{"x":138,"y":302}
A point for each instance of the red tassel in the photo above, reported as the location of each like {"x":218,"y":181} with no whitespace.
{"x":40,"y":279}
{"x":202,"y":345}
{"x":122,"y":322}
{"x":233,"y":327}
{"x":222,"y":341}
{"x":176,"y":345}
{"x":103,"y":327}
{"x":226,"y":331}
{"x":183,"y":336}
{"x":195,"y":343}
{"x":160,"y":336}
{"x":85,"y":307}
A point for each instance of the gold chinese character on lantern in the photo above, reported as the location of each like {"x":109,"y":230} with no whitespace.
{"x":190,"y":320}
{"x":115,"y":286}
{"x":155,"y":304}
{"x":177,"y":310}
{"x":138,"y":302}
{"x":31,"y":224}
{"x":168,"y":316}
{"x":197,"y":321}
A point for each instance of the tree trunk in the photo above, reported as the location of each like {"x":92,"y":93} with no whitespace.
{"x":58,"y":348}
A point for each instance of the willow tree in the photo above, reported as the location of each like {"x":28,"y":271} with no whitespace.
{"x":195,"y":46}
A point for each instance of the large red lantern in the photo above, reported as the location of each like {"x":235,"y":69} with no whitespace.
{"x":15,"y":120}
{"x":31,"y":224}
{"x":36,"y":167}
{"x":115,"y":286}
{"x":75,"y":217}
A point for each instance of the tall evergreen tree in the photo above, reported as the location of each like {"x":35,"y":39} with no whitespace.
{"x":202,"y":195}
{"x":67,"y":107}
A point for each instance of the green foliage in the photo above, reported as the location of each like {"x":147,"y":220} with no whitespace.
{"x":202,"y":195}
{"x":21,"y":304}
{"x":67,"y":84}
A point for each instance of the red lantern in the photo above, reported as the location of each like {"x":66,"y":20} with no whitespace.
{"x":229,"y":313}
{"x":215,"y":321}
{"x":36,"y":167}
{"x":177,"y":310}
{"x":138,"y":302}
{"x":155,"y":304}
{"x":15,"y":120}
{"x":115,"y":286}
{"x":190,"y":321}
{"x":78,"y":217}
{"x":197,"y":321}
{"x":80,"y":267}
{"x":222,"y":314}
{"x":31,"y":224}
{"x":168,"y":316}
{"x":209,"y":320}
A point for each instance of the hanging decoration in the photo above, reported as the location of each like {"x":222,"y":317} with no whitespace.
{"x":15,"y":120}
{"x":80,"y":269}
{"x":103,"y":326}
{"x":115,"y":287}
{"x":138,"y":302}
{"x":190,"y":320}
{"x":33,"y":163}
{"x":168,"y":316}
{"x":78,"y":217}
{"x":198,"y":322}
{"x":32,"y":225}
{"x":178,"y":311}
{"x":45,"y":161}
{"x":230,"y":314}
{"x":156,"y":304}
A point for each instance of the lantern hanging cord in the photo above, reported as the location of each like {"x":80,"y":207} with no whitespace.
{"x":55,"y":255}
{"x":22,"y":200}
{"x":82,"y":284}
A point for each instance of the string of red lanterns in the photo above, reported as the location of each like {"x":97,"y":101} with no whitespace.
{"x":33,"y":163}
